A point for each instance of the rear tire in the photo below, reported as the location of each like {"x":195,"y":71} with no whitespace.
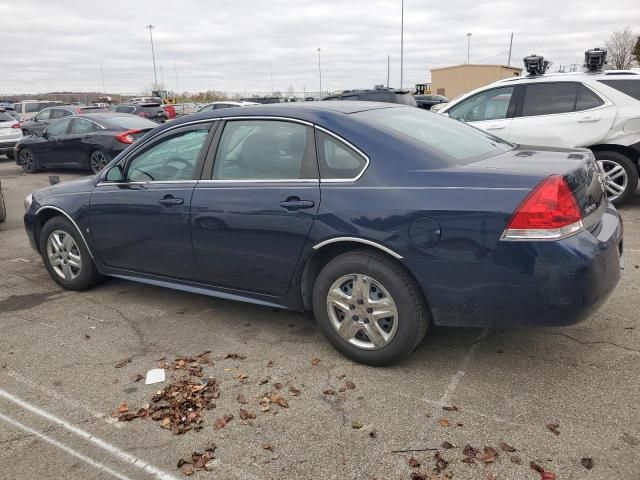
{"x":385,"y":288}
{"x":65,"y":255}
{"x":27,"y":161}
{"x":621,"y":175}
{"x":98,"y":160}
{"x":3,"y":208}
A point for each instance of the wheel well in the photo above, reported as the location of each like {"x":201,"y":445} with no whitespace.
{"x":327,"y":253}
{"x":630,"y":153}
{"x":43,"y":217}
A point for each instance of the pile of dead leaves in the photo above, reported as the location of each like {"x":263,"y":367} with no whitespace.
{"x":198,"y":461}
{"x":190,"y":365}
{"x":178,"y":407}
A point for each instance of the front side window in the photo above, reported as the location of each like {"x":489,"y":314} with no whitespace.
{"x":490,"y":105}
{"x":43,"y":115}
{"x":336,"y":160}
{"x":59,"y":127}
{"x":549,"y":98}
{"x":82,"y":125}
{"x":59,"y":113}
{"x":31,"y":107}
{"x":172,"y":158}
{"x":587,"y":99}
{"x":262,"y":150}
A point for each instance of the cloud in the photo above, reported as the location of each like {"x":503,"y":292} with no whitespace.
{"x":241,"y":45}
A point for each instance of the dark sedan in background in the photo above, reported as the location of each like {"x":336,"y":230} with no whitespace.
{"x":382,"y":219}
{"x":87,"y":141}
{"x":428,"y":101}
{"x":153,"y":111}
{"x":47,"y":116}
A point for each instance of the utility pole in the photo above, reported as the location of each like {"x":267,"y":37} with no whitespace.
{"x":102,"y":75}
{"x":153,"y":56}
{"x":319,"y":75}
{"x":388,"y":68}
{"x":510,"y":45}
{"x":402,"y":44}
{"x":175,"y":68}
{"x":468,"y":46}
{"x":162,"y":77}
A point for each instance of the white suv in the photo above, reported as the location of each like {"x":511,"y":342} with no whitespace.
{"x":600,"y":111}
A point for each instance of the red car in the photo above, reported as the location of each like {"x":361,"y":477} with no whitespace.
{"x":171,"y":111}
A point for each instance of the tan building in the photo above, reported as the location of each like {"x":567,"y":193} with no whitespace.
{"x":458,"y":79}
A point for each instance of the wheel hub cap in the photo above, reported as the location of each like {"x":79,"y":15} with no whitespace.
{"x":615,"y":178}
{"x":362,"y":311}
{"x":64,"y":255}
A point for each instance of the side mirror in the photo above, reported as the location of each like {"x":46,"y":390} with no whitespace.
{"x":115,"y":174}
{"x":44,"y":134}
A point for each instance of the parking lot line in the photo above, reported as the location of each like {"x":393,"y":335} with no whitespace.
{"x":62,"y":446}
{"x":111,"y":449}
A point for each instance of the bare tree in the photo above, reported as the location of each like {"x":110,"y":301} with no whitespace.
{"x":620,"y":49}
{"x":636,"y":51}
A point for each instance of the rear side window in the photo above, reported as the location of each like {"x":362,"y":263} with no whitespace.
{"x":125,"y":109}
{"x":629,"y":86}
{"x":336,"y":160}
{"x":81,"y":125}
{"x":549,"y":98}
{"x":59,"y":113}
{"x":378,"y":97}
{"x":5,"y":117}
{"x":32,"y":107}
{"x":43,"y":115}
{"x":587,"y":99}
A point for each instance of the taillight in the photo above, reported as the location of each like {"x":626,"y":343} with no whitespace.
{"x":127,"y":137}
{"x":16,"y":125}
{"x":549,"y":212}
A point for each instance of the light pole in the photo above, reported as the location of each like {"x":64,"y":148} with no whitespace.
{"x":319,"y":75}
{"x":153,"y":56}
{"x":468,"y":45}
{"x":401,"y":44}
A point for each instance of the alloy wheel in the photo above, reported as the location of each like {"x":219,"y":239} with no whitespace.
{"x":64,"y":255}
{"x":26,"y":161}
{"x":98,"y":161}
{"x":362,"y":311}
{"x":615,"y":178}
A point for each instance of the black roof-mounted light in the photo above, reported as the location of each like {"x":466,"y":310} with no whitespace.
{"x":535,"y":64}
{"x":595,"y":59}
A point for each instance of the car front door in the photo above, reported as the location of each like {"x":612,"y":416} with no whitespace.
{"x":561,"y":114}
{"x":253,"y":210}
{"x":79,"y":144}
{"x":51,"y":152}
{"x":140,"y":217}
{"x":38,"y":123}
{"x":491,"y":110}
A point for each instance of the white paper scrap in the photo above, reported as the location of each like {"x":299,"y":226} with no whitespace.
{"x":155,"y":375}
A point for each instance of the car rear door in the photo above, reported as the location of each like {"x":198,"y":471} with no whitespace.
{"x":52,"y":152}
{"x":490,"y":110}
{"x":253,"y":210}
{"x":78,"y":142}
{"x":561,"y":114}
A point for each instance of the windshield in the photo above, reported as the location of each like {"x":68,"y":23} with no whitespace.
{"x":131,"y":122}
{"x":454,"y":142}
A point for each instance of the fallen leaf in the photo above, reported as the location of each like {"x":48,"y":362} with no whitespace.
{"x":548,"y":476}
{"x":492,"y":476}
{"x":240,"y":398}
{"x":166,"y":422}
{"x":280,"y":400}
{"x":373,"y":433}
{"x":242,"y":376}
{"x":87,"y":337}
{"x":204,"y":357}
{"x":123,"y":408}
{"x":269,"y":364}
{"x":553,"y":427}
{"x":267,"y":446}
{"x":505,"y":447}
{"x":450,"y":408}
{"x":413,"y":463}
{"x":294,"y":391}
{"x":515,"y":459}
{"x":329,"y":391}
{"x":315,"y":361}
{"x":356,"y":424}
{"x":587,"y":462}
{"x":245,"y":415}
{"x":138,"y":378}
{"x":536,"y":467}
{"x":277,"y":385}
{"x":444,"y":422}
{"x":188,"y":471}
{"x":122,"y":363}
{"x":342,"y":389}
{"x":446,"y":445}
{"x":350,"y":385}
{"x":235,"y":356}
{"x":469,"y":451}
{"x":490,"y":455}
{"x":441,"y":463}
{"x":420,"y":476}
{"x":264,"y":380}
{"x":222,"y":421}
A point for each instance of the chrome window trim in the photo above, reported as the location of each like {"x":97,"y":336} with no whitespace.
{"x":267,"y":117}
{"x":275,"y":180}
{"x":358,"y":240}
{"x":51,"y":207}
{"x":352,"y":147}
{"x":105,"y":183}
{"x":88,"y":120}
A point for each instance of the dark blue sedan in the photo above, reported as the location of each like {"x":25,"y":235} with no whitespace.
{"x":382,"y":219}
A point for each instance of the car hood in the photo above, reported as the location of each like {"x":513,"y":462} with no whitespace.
{"x":82,"y":185}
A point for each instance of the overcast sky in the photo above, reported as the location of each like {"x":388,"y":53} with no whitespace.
{"x":238,"y":45}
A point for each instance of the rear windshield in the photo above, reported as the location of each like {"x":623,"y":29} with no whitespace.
{"x":31,"y":107}
{"x":454,"y":142}
{"x":405,"y":99}
{"x":130,"y":122}
{"x":627,"y":86}
{"x":5,"y":117}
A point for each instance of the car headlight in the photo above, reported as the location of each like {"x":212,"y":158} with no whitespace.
{"x":27,"y":201}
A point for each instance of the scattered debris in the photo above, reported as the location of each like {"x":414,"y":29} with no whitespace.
{"x":490,"y":455}
{"x":350,"y":385}
{"x":536,"y":467}
{"x":246,"y":415}
{"x":441,"y":463}
{"x":587,"y":462}
{"x":198,"y":461}
{"x":294,"y":392}
{"x":554,"y":428}
{"x":122,"y":363}
{"x":222,"y":421}
{"x":138,"y":378}
{"x":270,"y":364}
{"x":315,"y":361}
{"x":155,"y":375}
{"x":356,"y":424}
{"x":267,"y":446}
{"x":235,"y":356}
{"x":505,"y":447}
{"x":413,"y":463}
{"x":123,"y":408}
{"x":446,"y":445}
{"x":329,"y":391}
{"x":444,"y":422}
{"x":450,"y":408}
{"x":240,"y":398}
{"x":373,"y":433}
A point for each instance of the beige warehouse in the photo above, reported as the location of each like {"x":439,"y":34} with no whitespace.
{"x":458,"y":79}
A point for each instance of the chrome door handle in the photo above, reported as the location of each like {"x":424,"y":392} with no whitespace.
{"x":495,"y":127}
{"x":294,"y":203}
{"x":170,"y":200}
{"x":589,"y":120}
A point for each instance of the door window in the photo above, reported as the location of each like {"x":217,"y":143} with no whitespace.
{"x":173,"y":158}
{"x":629,"y":87}
{"x":81,"y":125}
{"x":59,"y":113}
{"x":490,"y":105}
{"x":549,"y":98}
{"x":58,"y":128}
{"x":262,"y":150}
{"x":587,"y":99}
{"x":336,"y":160}
{"x":125,"y":109}
{"x":43,"y":115}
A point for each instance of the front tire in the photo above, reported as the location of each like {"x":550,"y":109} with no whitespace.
{"x":99,"y":159}
{"x":369,"y":308}
{"x":27,"y":161}
{"x":65,"y":255}
{"x":621,"y":175}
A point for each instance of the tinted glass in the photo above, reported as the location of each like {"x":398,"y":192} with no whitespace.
{"x":405,"y":99}
{"x":5,"y":117}
{"x":218,"y":106}
{"x":59,"y":127}
{"x":489,"y":105}
{"x":125,"y":109}
{"x":81,"y":125}
{"x":587,"y":99}
{"x":59,"y":113}
{"x":31,"y":107}
{"x":43,"y":115}
{"x":173,"y":158}
{"x":129,"y":122}
{"x":451,"y":141}
{"x":336,"y":160}
{"x":549,"y":98}
{"x":629,"y":86}
{"x":261,"y":150}
{"x":206,"y":108}
{"x":377,"y":97}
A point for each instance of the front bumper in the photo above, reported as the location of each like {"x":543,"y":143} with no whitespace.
{"x":7,"y":146}
{"x":551,"y":283}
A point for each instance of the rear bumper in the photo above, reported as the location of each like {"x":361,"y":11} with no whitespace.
{"x":7,"y":146}
{"x":530,"y":283}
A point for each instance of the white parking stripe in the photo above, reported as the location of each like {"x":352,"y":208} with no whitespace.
{"x":115,"y":451}
{"x":64,"y":447}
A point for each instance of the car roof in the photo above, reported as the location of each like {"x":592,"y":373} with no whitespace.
{"x":568,"y":77}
